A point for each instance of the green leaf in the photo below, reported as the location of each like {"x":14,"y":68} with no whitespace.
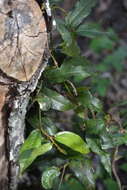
{"x":120,"y":139}
{"x":86,"y":99}
{"x":116,"y":59}
{"x":104,"y":156}
{"x":71,"y":184}
{"x":27,"y":156}
{"x":84,"y":172}
{"x":72,"y":49}
{"x":49,"y":126}
{"x":101,"y":43}
{"x":57,"y":101}
{"x":73,"y":141}
{"x":111,"y":184}
{"x":101,"y":85}
{"x":107,"y":140}
{"x":33,"y":120}
{"x":68,"y":69}
{"x":44,"y":102}
{"x":89,"y":30}
{"x":95,"y":126}
{"x":49,"y":176}
{"x":64,"y":32}
{"x":33,"y":141}
{"x":82,"y":10}
{"x":106,"y":161}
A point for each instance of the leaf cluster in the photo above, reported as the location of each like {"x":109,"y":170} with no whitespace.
{"x":93,"y":133}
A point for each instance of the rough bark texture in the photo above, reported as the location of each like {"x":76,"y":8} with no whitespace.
{"x":3,"y":130}
{"x":23,"y":39}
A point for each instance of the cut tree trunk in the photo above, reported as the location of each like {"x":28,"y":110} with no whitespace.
{"x":23,"y":56}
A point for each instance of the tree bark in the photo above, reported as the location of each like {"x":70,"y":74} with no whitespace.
{"x":23,"y":57}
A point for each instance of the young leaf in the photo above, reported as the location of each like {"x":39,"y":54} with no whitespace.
{"x":81,"y":11}
{"x":49,"y":176}
{"x":73,"y":141}
{"x":27,"y":156}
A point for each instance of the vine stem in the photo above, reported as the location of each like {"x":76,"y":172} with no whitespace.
{"x":114,"y":168}
{"x":63,"y":172}
{"x":51,"y":138}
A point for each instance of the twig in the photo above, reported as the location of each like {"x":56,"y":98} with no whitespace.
{"x":63,"y":172}
{"x":114,"y":168}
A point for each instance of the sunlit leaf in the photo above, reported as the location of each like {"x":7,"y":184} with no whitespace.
{"x":73,"y":141}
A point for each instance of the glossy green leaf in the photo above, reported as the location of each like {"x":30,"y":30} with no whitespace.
{"x":73,"y":141}
{"x":83,"y":170}
{"x":49,"y":126}
{"x":107,"y":141}
{"x":57,"y":101}
{"x":104,"y":156}
{"x":49,"y":176}
{"x":27,"y":156}
{"x":44,"y":102}
{"x":82,"y":10}
{"x":106,"y":161}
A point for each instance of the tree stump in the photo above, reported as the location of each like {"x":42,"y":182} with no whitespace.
{"x":23,"y":40}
